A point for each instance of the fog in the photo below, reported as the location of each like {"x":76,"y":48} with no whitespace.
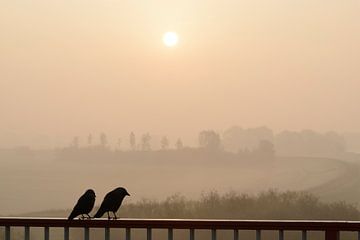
{"x":256,"y":95}
{"x":71,"y":68}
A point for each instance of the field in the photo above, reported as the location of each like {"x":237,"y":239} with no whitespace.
{"x":40,"y":181}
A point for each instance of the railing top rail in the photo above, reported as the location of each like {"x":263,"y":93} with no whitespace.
{"x":185,"y":224}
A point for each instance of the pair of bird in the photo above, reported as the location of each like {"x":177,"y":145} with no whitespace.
{"x":111,"y":203}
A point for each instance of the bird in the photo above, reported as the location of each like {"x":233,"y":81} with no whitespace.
{"x":112,"y":202}
{"x":84,"y":205}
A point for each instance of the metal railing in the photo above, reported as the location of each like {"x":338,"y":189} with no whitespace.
{"x":331,"y":228}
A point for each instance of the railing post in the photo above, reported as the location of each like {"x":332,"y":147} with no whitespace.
{"x":149,"y":234}
{"x":46,"y":233}
{"x":304,"y":235}
{"x":358,"y":235}
{"x":192,"y":234}
{"x":331,"y":235}
{"x":86,"y":233}
{"x":128,"y":234}
{"x":170,"y":234}
{"x":107,"y":233}
{"x":27,"y":233}
{"x":7,"y":232}
{"x":236,"y":234}
{"x":281,"y":234}
{"x":258,"y":234}
{"x":213,"y":234}
{"x":66,"y":233}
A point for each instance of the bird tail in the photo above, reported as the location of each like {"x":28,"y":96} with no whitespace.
{"x":99,"y":213}
{"x":72,"y":215}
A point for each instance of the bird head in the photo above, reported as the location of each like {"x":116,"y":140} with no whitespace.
{"x":123,"y":191}
{"x":90,"y":192}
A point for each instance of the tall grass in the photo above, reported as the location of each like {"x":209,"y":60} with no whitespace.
{"x":266,"y":205}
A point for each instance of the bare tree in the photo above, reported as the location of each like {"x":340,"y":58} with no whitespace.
{"x":103,"y":139}
{"x":119,"y":143}
{"x":89,"y":139}
{"x":75,"y":142}
{"x":179,"y":144}
{"x":164,"y":143}
{"x":132,"y":141}
{"x":145,"y":142}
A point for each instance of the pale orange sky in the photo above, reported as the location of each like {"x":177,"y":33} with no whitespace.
{"x":72,"y":67}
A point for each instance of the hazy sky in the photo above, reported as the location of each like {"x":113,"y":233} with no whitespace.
{"x":73,"y":67}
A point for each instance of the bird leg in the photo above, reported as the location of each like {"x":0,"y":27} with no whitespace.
{"x":115,"y":217}
{"x":89,"y":217}
{"x":108,"y":215}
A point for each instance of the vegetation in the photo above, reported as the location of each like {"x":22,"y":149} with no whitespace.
{"x":258,"y":142}
{"x":266,"y":205}
{"x":270,"y":204}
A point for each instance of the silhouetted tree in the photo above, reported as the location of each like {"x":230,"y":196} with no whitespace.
{"x":310,"y":143}
{"x":265,"y":149}
{"x":236,"y":138}
{"x":75,"y":142}
{"x":164,"y":143}
{"x":209,"y":140}
{"x":132,"y":141}
{"x":119,"y":143}
{"x":89,"y":139}
{"x":103,"y":139}
{"x":145,"y":142}
{"x":179,"y":144}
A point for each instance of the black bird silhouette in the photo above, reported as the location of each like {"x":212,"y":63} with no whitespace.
{"x":84,"y":205}
{"x":112,"y":202}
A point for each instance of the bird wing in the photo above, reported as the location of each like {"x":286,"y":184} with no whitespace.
{"x":77,"y":208}
{"x":108,"y":201}
{"x":105,"y":205}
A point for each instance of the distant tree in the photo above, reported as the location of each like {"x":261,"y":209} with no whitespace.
{"x":89,"y":139}
{"x":179,"y":144}
{"x":164,"y":143}
{"x":310,"y":143}
{"x":236,"y":138}
{"x":103,"y":139}
{"x":209,"y":140}
{"x":145,"y":142}
{"x":119,"y":143}
{"x":75,"y":142}
{"x":265,"y":149}
{"x":132,"y":141}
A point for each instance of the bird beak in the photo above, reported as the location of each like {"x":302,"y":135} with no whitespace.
{"x":128,"y":194}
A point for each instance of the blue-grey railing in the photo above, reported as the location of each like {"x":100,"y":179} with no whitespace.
{"x":331,"y":228}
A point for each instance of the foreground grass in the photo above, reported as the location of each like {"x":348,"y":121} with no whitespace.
{"x":266,"y":205}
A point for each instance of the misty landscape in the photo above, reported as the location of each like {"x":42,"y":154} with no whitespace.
{"x":246,"y":161}
{"x":242,"y":110}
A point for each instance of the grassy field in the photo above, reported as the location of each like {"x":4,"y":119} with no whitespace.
{"x":37,"y":182}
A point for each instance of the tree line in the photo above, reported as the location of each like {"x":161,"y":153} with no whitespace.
{"x":260,"y":141}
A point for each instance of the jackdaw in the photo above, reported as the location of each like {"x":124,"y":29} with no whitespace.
{"x":112,"y":202}
{"x":84,"y":205}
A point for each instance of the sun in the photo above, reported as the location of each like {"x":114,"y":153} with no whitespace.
{"x":170,"y":39}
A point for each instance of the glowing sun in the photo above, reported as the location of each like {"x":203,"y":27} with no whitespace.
{"x":170,"y":39}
